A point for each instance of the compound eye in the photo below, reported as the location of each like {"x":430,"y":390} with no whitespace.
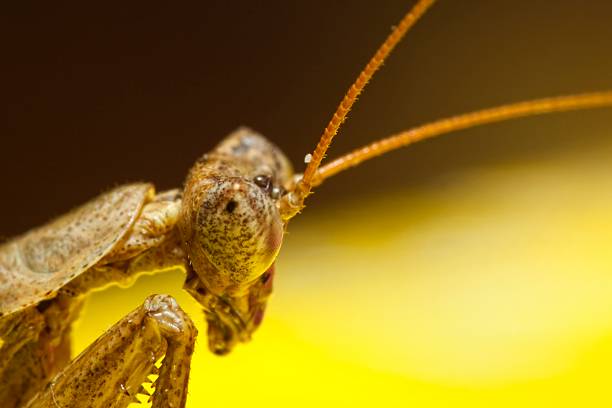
{"x":276,"y":193}
{"x":263,"y":181}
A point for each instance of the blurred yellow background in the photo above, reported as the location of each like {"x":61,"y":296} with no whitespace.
{"x":471,"y":270}
{"x":491,"y":287}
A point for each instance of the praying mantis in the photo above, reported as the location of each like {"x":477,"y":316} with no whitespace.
{"x":268,"y":172}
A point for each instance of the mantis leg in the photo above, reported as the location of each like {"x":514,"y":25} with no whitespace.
{"x":21,"y":368}
{"x":36,"y":345}
{"x":109,"y":373}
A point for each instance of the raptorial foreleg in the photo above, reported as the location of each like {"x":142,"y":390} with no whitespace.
{"x":109,"y":373}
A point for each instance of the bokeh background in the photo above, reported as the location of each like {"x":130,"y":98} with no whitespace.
{"x":470,"y":270}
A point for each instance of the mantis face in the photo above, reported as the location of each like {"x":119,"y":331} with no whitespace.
{"x":232,"y":232}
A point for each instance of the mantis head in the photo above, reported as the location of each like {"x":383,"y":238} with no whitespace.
{"x":239,"y":198}
{"x":232,"y":231}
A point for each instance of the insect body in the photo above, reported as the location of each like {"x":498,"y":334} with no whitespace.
{"x":225,"y":232}
{"x":224,"y":229}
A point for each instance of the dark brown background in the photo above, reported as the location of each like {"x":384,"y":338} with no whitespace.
{"x":96,"y":94}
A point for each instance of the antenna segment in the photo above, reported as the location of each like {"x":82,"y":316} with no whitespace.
{"x":293,"y":201}
{"x":464,"y":121}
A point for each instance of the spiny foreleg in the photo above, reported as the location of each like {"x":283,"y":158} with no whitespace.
{"x":109,"y":373}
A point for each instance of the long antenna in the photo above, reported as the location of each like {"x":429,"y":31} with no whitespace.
{"x":293,"y":201}
{"x":466,"y":120}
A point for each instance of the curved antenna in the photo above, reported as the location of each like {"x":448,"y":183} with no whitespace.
{"x":466,"y":120}
{"x":293,"y":201}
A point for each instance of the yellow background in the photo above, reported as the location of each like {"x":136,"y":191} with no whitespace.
{"x":488,"y":287}
{"x":471,"y":270}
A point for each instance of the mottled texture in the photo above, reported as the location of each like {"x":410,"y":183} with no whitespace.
{"x":123,"y":233}
{"x":38,"y":345}
{"x":110,"y":371}
{"x":229,"y":222}
{"x":240,"y":234}
{"x":229,"y":234}
{"x":34,"y":266}
{"x":156,"y":220}
{"x":259,"y":154}
{"x":232,"y":232}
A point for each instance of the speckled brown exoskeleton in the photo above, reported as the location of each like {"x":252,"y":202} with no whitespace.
{"x":224,"y":229}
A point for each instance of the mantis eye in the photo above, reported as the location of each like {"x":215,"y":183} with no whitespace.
{"x":266,"y":184}
{"x":263,"y":181}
